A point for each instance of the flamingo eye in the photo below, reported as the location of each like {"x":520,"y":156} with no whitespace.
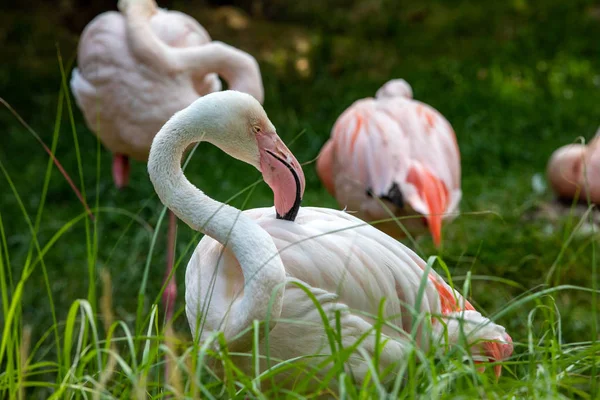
{"x":256,"y":129}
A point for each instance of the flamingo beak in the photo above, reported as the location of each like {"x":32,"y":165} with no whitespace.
{"x":434,"y":223}
{"x":283,"y":174}
{"x":434,"y":194}
{"x":497,"y":351}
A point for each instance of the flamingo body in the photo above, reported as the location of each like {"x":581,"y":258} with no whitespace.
{"x":574,"y":170}
{"x":349,"y":266}
{"x":393,"y":156}
{"x":124,"y":100}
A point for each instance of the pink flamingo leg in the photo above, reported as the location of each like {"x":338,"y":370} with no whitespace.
{"x":170,"y":293}
{"x":120,"y":170}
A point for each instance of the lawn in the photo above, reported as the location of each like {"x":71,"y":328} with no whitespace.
{"x":516,"y":79}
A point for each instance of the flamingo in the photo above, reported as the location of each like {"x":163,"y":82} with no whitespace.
{"x":393,"y":156}
{"x":574,"y":170}
{"x":138,"y":67}
{"x":255,"y":262}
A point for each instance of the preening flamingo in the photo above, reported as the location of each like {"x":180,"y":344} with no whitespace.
{"x":251,"y":258}
{"x":574,"y":170}
{"x":393,"y":156}
{"x":136,"y":69}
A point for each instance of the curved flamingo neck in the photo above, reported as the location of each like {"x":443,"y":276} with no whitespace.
{"x":252,"y":246}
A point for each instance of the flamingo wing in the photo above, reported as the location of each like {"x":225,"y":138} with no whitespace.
{"x":348,"y":266}
{"x":366,"y":166}
{"x":432,"y":142}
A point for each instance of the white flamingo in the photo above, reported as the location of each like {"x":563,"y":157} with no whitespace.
{"x":250,"y":258}
{"x":136,"y":69}
{"x":393,"y":155}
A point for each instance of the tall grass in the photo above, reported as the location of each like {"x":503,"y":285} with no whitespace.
{"x":91,"y":354}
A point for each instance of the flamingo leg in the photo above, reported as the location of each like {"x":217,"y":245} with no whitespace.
{"x":170,"y":293}
{"x":120,"y":170}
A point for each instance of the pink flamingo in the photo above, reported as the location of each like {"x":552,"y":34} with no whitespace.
{"x":574,"y":170}
{"x":252,"y":263}
{"x":136,"y":69}
{"x":393,"y":156}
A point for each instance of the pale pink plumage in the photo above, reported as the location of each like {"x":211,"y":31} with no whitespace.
{"x":139,"y":67}
{"x":348,"y":266}
{"x":249,"y":264}
{"x":397,"y":150}
{"x":574,"y":170}
{"x":124,"y":100}
{"x":136,"y":69}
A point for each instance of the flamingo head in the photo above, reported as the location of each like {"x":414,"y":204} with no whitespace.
{"x":395,"y":88}
{"x":248,"y":135}
{"x":565,"y":169}
{"x":488,"y":341}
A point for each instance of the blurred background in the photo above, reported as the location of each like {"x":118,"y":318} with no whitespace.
{"x":516,"y":79}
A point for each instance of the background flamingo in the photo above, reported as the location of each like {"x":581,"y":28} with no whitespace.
{"x":136,"y":69}
{"x":248,"y":257}
{"x":393,"y":156}
{"x":574,"y":170}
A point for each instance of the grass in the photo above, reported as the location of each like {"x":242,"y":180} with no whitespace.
{"x":516,"y":80}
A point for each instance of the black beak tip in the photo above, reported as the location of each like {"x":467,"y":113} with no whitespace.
{"x":291,"y":214}
{"x":394,"y":196}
